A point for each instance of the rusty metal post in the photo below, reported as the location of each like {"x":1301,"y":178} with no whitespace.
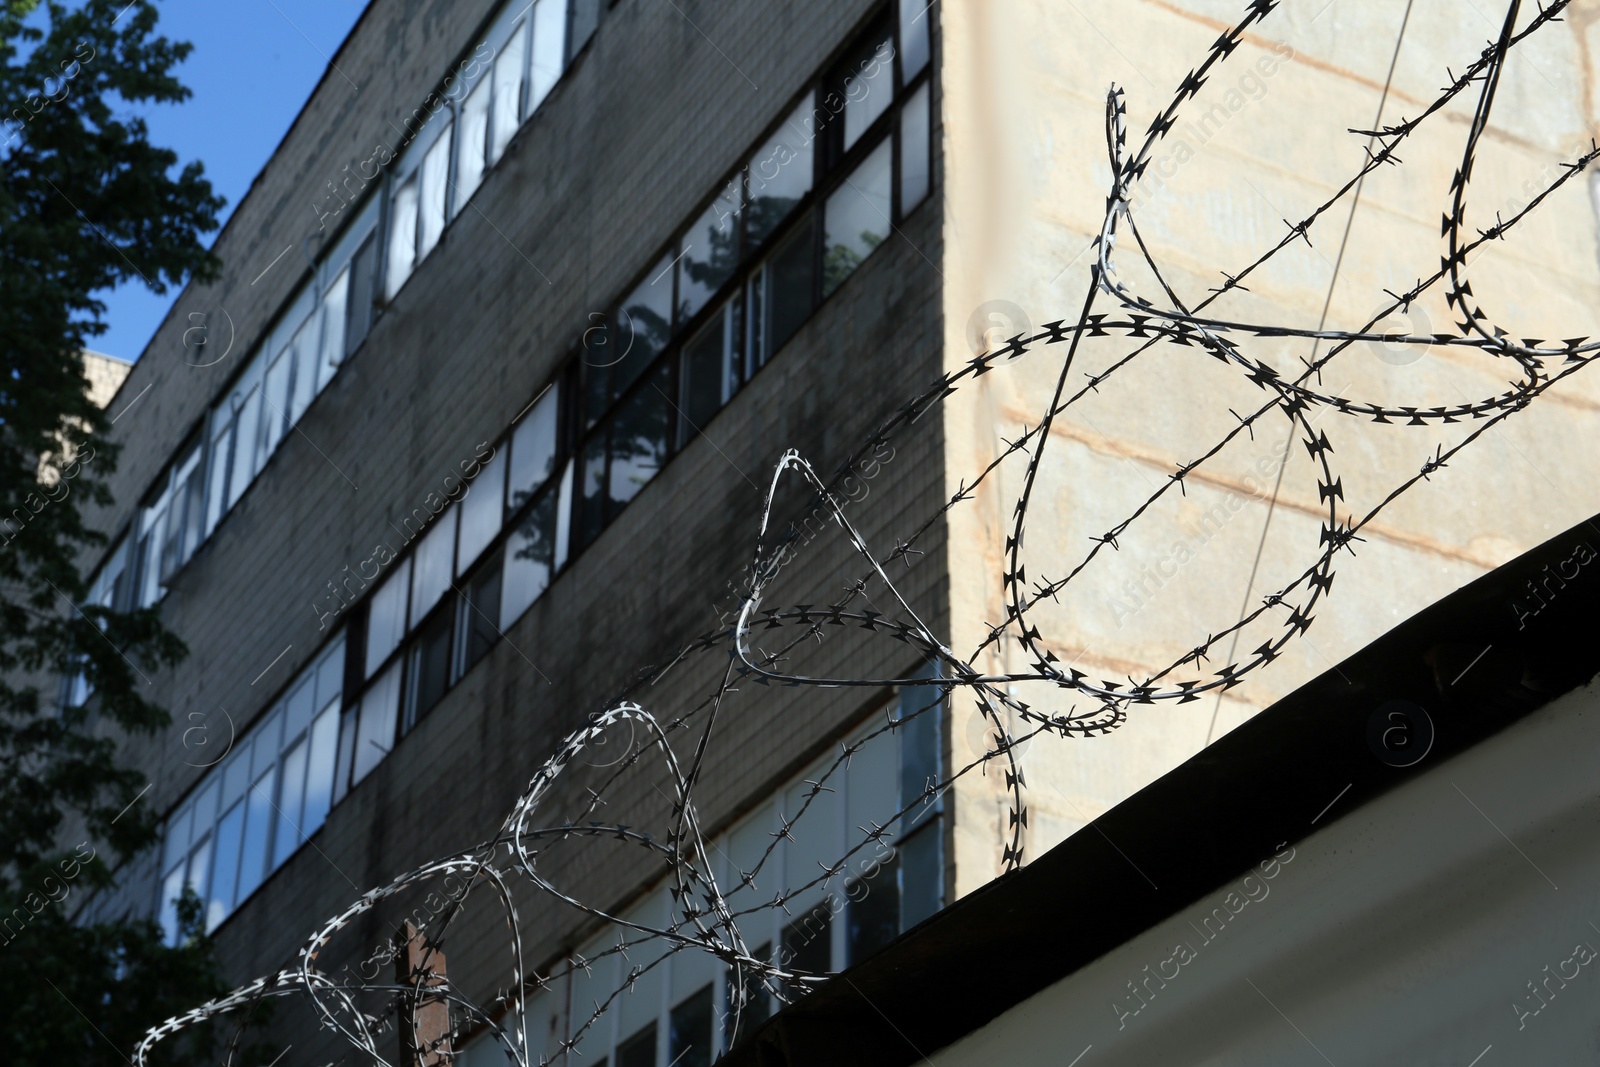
{"x":424,"y":1023}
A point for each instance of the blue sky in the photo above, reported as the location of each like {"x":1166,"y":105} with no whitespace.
{"x":254,"y":65}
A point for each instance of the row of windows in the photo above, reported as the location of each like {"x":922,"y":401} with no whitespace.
{"x":269,"y":794}
{"x":602,"y":428}
{"x":520,"y":60}
{"x":688,"y":1009}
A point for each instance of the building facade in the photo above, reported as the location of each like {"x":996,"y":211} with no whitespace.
{"x":513,"y":329}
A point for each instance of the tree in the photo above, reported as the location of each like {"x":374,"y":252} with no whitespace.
{"x":86,"y":203}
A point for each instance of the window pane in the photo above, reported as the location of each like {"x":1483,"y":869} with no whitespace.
{"x":914,"y":150}
{"x":277,"y":401}
{"x":921,"y":708}
{"x":873,"y":911}
{"x":921,"y":875}
{"x":639,"y":435}
{"x":481,"y":509}
{"x":858,"y":218}
{"x":236,"y":774}
{"x":363,"y":284}
{"x":298,"y":708}
{"x":431,"y":571}
{"x":197,"y":877}
{"x":689,"y":1032}
{"x":435,"y":193}
{"x":807,"y":942}
{"x":527,"y":567}
{"x":304,"y":354}
{"x":710,"y":253}
{"x":375,"y":730}
{"x":786,"y":285}
{"x":644,"y":326}
{"x":225,"y":874}
{"x":257,"y":835}
{"x":217,"y":460}
{"x":290,"y":800}
{"x":914,"y":18}
{"x":470,"y":145}
{"x":564,"y":516}
{"x":710,"y":370}
{"x":779,"y":174}
{"x":320,"y":768}
{"x":429,"y":668}
{"x":334,"y":312}
{"x":749,"y":1003}
{"x":476,"y":628}
{"x":868,"y":87}
{"x":171,"y":890}
{"x":507,"y":80}
{"x":386,"y":618}
{"x":640,"y":1049}
{"x":155,"y":527}
{"x":533,"y":447}
{"x":248,"y":420}
{"x":402,"y":237}
{"x":549,"y":48}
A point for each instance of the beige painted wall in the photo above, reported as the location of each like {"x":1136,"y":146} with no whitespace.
{"x":1024,"y":98}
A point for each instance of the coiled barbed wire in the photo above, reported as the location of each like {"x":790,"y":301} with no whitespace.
{"x":703,"y":917}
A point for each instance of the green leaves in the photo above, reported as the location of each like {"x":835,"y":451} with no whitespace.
{"x":86,"y":203}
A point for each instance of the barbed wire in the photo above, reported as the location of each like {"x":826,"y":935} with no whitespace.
{"x":704,"y":917}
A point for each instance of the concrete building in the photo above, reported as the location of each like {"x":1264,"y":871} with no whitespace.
{"x":479,"y":419}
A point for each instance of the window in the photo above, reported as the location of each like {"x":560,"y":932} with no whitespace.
{"x":781,"y":293}
{"x":549,"y":49}
{"x":749,"y":1003}
{"x":433,"y":194}
{"x":914,"y":159}
{"x":471,"y":143}
{"x":476,"y":623}
{"x":432,"y":565}
{"x":363,"y":287}
{"x":402,"y":241}
{"x":169,"y":523}
{"x":386,"y":616}
{"x":507,"y":81}
{"x":429,"y":670}
{"x":482,"y":509}
{"x":252,"y":811}
{"x":710,"y":251}
{"x":639,"y":1050}
{"x":533,"y":447}
{"x":335,"y":313}
{"x":779,"y":176}
{"x":375,"y":724}
{"x":863,"y":86}
{"x":915,"y":15}
{"x":247,"y":419}
{"x":710,"y":374}
{"x":640,"y":432}
{"x":689,"y":1031}
{"x":873,"y":911}
{"x":857,"y":218}
{"x":530,"y":559}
